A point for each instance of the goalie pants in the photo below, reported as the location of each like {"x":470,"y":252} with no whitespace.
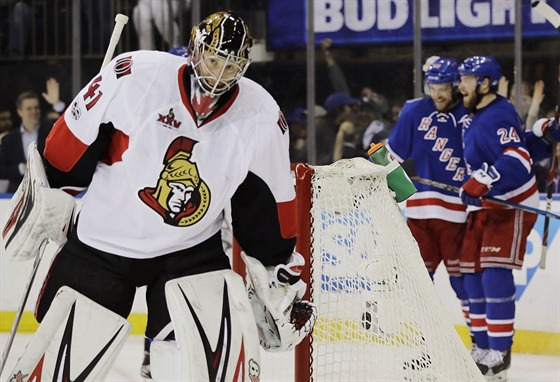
{"x":111,"y":280}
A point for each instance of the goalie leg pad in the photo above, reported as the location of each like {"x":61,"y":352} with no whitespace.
{"x":215,"y":329}
{"x":37,"y":212}
{"x":77,"y":340}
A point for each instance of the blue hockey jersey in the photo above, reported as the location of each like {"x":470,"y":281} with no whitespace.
{"x":495,"y":135}
{"x":434,"y":141}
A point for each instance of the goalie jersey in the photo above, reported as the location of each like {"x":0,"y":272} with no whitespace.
{"x":158,"y":178}
{"x":433,"y":140}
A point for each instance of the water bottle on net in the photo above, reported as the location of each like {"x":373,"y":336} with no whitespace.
{"x":397,"y":179}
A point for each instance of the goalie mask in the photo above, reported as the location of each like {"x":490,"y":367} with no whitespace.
{"x":219,"y":49}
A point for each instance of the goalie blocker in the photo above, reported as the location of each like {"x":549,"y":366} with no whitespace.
{"x":37,"y":212}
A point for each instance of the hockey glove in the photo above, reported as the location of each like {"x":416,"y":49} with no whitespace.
{"x":283,"y":319}
{"x":478,"y":185}
{"x":547,"y":128}
{"x":37,"y":212}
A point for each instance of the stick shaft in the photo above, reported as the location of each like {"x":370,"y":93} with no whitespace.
{"x":120,"y":22}
{"x":548,"y":13}
{"x":443,"y":186}
{"x":22,"y":303}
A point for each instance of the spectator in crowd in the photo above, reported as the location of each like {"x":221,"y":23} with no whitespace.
{"x":377,"y":128}
{"x":20,"y":25}
{"x":496,"y":238}
{"x":537,"y":98}
{"x":336,"y":76}
{"x":162,"y":15}
{"x":297,"y":123}
{"x":14,"y":145}
{"x":436,"y":217}
{"x":342,"y":112}
{"x":6,"y":122}
{"x":6,"y":125}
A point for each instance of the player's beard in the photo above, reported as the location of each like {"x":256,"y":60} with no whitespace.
{"x":472,"y":99}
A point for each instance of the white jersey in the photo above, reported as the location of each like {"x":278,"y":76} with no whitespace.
{"x":163,"y":180}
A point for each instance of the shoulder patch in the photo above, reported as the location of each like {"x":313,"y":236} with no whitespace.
{"x":123,"y":67}
{"x":282,"y":123}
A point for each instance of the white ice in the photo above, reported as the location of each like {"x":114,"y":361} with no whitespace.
{"x":279,"y":366}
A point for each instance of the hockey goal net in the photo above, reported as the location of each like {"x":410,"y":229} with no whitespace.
{"x":379,"y":317}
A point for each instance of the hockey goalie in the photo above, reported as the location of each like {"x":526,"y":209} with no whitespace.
{"x":161,"y":144}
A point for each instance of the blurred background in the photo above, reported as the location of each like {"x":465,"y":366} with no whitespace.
{"x":378,"y":45}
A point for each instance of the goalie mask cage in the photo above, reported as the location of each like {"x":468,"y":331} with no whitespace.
{"x":379,"y":317}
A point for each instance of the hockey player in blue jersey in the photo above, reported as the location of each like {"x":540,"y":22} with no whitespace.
{"x":429,"y":132}
{"x":499,"y":165}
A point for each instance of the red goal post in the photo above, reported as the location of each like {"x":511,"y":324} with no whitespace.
{"x":379,"y":317}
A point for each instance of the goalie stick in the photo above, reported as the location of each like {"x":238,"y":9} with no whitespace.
{"x":550,"y":184}
{"x":554,"y":18}
{"x":548,"y":13}
{"x":447,"y":187}
{"x":22,"y":303}
{"x":120,"y":22}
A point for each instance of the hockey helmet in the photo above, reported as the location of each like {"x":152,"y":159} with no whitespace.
{"x":224,"y":36}
{"x":481,"y":67}
{"x":443,"y":71}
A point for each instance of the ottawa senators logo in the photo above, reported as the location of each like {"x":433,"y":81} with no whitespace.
{"x":180,"y":196}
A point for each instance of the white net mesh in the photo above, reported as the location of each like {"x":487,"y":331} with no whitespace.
{"x":379,"y":316}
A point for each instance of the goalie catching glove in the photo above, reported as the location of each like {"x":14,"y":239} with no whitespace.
{"x":479,"y":185}
{"x":283,"y":319}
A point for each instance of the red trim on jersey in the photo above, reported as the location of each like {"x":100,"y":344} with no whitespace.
{"x":187,"y":102}
{"x":221,"y":110}
{"x":117,"y":147}
{"x":288,"y":218}
{"x":522,"y":153}
{"x":435,"y":202}
{"x":62,"y":148}
{"x":516,"y":199}
{"x":184,"y":95}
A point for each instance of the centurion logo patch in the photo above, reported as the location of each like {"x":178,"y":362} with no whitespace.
{"x":180,"y":196}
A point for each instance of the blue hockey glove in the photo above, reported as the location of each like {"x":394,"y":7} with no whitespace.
{"x":478,"y":185}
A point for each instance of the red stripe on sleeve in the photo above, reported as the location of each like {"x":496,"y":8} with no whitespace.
{"x":522,"y":153}
{"x":288,"y":218}
{"x":62,"y":148}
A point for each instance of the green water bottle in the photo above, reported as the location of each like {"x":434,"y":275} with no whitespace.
{"x":397,"y":179}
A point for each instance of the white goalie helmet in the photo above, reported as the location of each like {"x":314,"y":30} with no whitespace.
{"x":219,"y":48}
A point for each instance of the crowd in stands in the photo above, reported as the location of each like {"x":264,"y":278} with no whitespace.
{"x":345,"y":123}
